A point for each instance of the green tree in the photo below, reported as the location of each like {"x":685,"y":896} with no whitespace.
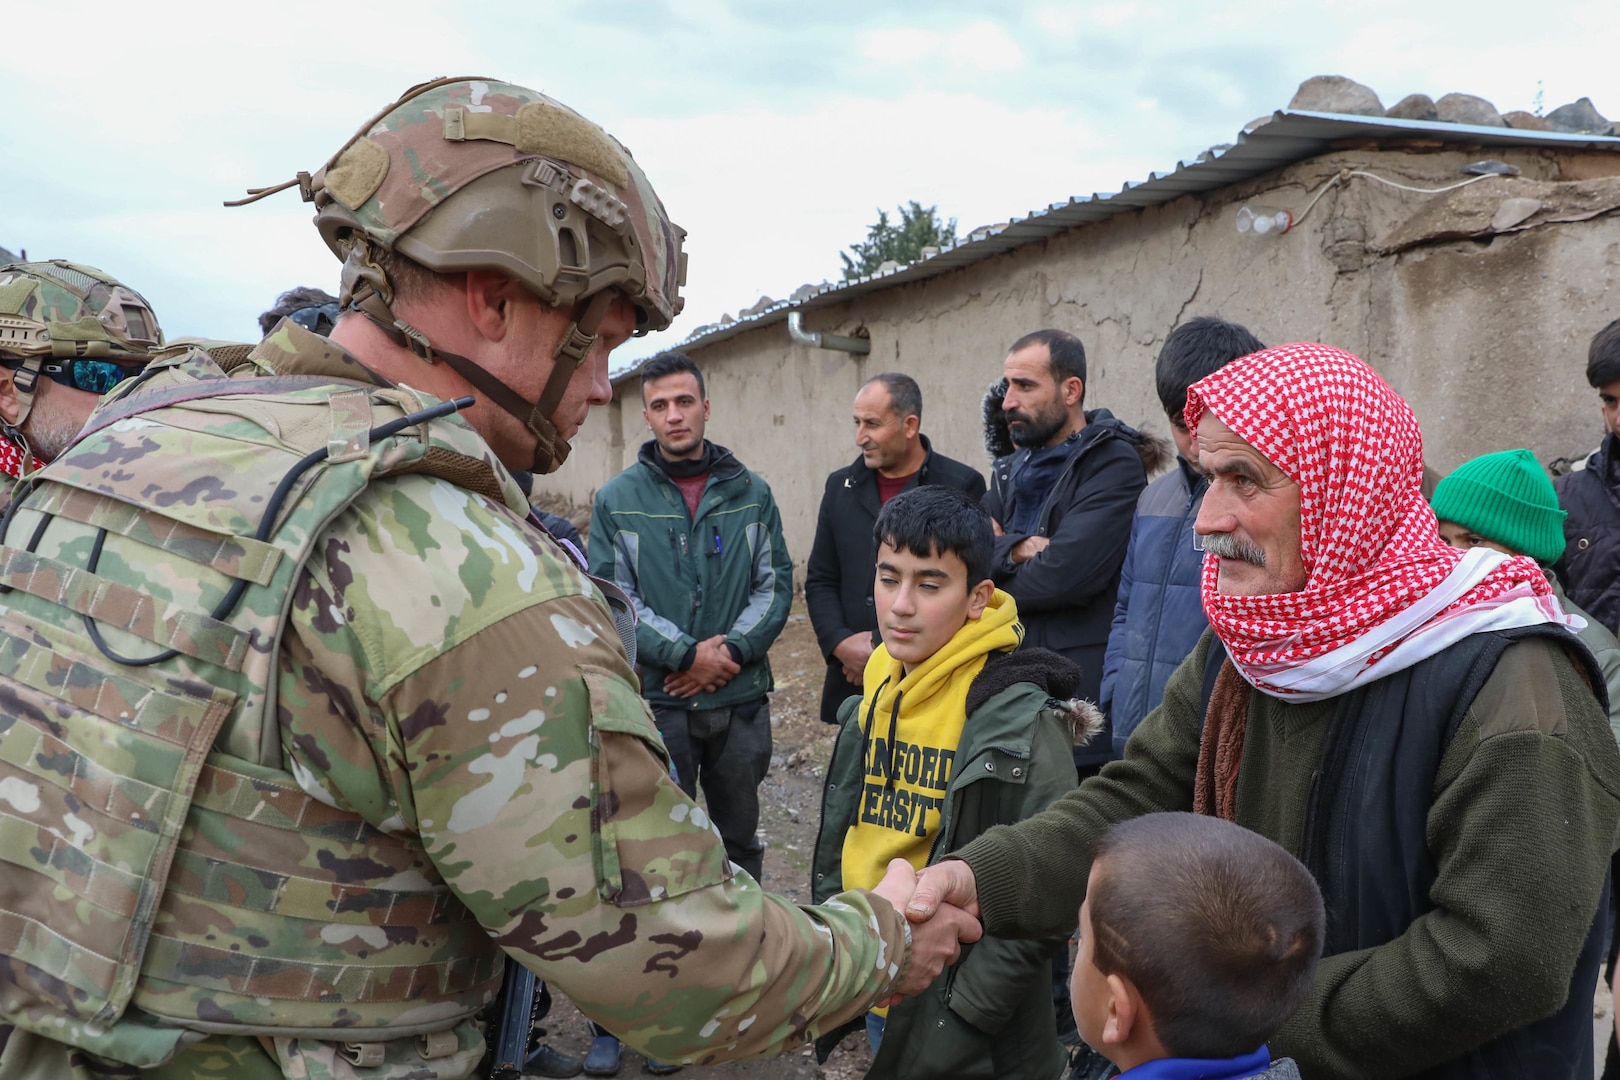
{"x":919,"y":227}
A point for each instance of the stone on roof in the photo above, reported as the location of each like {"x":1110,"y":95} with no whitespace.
{"x":1336,"y":94}
{"x":1468,"y":109}
{"x":1579,"y":117}
{"x":1415,"y":107}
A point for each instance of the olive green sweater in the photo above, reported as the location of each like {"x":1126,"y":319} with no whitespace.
{"x":1525,"y":806}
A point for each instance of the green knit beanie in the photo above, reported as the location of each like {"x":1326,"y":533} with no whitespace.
{"x":1506,"y":497}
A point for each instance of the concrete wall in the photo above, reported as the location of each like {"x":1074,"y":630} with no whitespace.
{"x":1485,"y":337}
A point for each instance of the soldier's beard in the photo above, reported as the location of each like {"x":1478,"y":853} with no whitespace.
{"x":49,"y":432}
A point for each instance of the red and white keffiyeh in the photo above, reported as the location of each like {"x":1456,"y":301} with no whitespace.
{"x":1384,"y":591}
{"x":11,"y":459}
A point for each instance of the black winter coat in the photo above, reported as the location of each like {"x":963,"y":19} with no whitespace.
{"x":838,"y":577}
{"x":1590,"y":566}
{"x":1066,"y":593}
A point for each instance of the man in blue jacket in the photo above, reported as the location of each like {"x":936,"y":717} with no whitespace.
{"x":1159,"y":617}
{"x":695,"y":539}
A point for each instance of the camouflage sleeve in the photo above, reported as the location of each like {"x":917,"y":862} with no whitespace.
{"x":509,"y":737}
{"x":539,"y":786}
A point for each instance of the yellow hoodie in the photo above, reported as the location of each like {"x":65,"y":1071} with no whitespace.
{"x":911,"y":726}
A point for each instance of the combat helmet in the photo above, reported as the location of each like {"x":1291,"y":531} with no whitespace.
{"x":56,"y":314}
{"x":472,"y":173}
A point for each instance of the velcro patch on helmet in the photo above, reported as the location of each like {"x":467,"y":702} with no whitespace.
{"x":15,"y":295}
{"x":88,"y":328}
{"x":358,"y":173}
{"x":553,"y":132}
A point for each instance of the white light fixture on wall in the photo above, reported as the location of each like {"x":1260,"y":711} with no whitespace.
{"x":1264,"y":220}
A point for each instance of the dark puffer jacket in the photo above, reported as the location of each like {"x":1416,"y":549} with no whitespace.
{"x":1066,"y":593}
{"x":1590,"y":567}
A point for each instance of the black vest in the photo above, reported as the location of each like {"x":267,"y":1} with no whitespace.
{"x":1365,"y":825}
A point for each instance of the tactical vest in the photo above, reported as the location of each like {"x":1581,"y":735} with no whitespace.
{"x":158,"y":851}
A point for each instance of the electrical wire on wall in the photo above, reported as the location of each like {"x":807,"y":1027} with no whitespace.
{"x":1267,"y":220}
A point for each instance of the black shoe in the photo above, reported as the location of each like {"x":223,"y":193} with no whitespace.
{"x":661,"y":1068}
{"x":544,"y":1060}
{"x":603,"y":1057}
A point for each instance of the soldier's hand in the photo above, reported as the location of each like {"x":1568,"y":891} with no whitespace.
{"x":936,"y":942}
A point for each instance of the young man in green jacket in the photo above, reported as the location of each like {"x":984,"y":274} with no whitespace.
{"x":1416,"y":724}
{"x":695,"y":539}
{"x":954,"y":733}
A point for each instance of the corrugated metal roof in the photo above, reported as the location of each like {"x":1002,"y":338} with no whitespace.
{"x":1288,"y":137}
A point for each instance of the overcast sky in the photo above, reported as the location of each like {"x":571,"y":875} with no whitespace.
{"x":773,"y":131}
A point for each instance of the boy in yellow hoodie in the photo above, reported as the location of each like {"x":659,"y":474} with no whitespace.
{"x":957,"y":731}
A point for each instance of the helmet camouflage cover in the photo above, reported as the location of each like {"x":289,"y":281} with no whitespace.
{"x":533,"y":189}
{"x":62,"y":309}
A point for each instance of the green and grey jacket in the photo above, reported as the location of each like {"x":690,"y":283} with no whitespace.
{"x":989,"y":1014}
{"x":724,"y":570}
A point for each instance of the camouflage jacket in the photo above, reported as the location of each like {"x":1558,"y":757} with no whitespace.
{"x":453,"y":714}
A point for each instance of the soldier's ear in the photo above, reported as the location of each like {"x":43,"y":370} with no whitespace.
{"x":492,"y":298}
{"x":10,"y":404}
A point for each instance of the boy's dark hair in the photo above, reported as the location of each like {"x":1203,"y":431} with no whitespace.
{"x":1196,"y":348}
{"x":1217,"y":927}
{"x":931,"y":521}
{"x":1067,"y":353}
{"x":905,"y":396}
{"x":669,"y":363}
{"x":1603,"y":358}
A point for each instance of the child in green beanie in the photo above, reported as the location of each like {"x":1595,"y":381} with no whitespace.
{"x":1505,"y":501}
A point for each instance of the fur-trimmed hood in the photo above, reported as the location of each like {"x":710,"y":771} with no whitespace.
{"x":1053,"y":672}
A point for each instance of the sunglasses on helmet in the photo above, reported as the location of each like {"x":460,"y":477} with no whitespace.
{"x":319,"y":319}
{"x":93,"y":376}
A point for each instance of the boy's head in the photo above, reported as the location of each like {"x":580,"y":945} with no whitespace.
{"x":1198,"y":939}
{"x":1603,"y":372}
{"x":934,"y":547}
{"x":1503,"y":501}
{"x":1196,"y":348}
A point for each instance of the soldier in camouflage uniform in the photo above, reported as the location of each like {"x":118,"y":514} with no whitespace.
{"x":302,"y":725}
{"x":81,"y":329}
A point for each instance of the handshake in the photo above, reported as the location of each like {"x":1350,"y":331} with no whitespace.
{"x":942,"y":904}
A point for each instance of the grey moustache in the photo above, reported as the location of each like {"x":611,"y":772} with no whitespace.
{"x":1229,"y":546}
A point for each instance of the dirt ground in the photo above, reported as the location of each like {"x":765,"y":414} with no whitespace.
{"x":790,"y":809}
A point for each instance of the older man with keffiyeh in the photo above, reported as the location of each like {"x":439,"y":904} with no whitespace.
{"x":1417,"y":724}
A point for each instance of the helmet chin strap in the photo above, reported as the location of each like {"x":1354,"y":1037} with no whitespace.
{"x":550,"y":448}
{"x":23,"y":381}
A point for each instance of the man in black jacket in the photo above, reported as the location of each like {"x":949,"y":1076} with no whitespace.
{"x":1063,"y":502}
{"x":895,"y":456}
{"x":1590,"y":567}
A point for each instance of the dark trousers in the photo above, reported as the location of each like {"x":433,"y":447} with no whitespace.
{"x":726,"y":751}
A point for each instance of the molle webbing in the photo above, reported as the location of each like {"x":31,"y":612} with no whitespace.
{"x":269,"y":866}
{"x":95,"y":597}
{"x":97,"y":768}
{"x":272,"y":912}
{"x":236,"y":557}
